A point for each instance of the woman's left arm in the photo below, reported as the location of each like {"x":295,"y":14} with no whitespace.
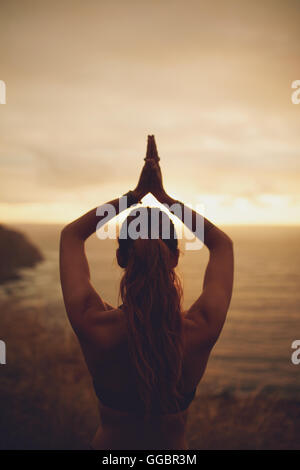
{"x":78,"y":292}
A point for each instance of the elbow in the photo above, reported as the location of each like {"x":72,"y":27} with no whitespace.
{"x":218,"y":239}
{"x":225,"y":240}
{"x":62,"y":237}
{"x":229,"y":241}
{"x":66,"y":230}
{"x":71,"y":231}
{"x":224,"y":243}
{"x":229,"y":245}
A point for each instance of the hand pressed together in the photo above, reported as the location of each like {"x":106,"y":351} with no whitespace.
{"x":151,"y":177}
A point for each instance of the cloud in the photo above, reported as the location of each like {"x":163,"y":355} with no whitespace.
{"x":87,"y":81}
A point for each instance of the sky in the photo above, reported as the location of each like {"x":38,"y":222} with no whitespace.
{"x":87,"y":81}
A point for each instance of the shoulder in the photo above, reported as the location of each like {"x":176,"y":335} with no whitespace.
{"x":103,"y":329}
{"x":198,"y":336}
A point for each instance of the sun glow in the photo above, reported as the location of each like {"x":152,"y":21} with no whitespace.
{"x":263,"y":209}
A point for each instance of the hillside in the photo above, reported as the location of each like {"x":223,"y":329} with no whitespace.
{"x":16,"y":252}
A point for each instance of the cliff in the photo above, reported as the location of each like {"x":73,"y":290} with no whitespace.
{"x":16,"y":251}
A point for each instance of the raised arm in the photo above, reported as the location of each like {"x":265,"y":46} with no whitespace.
{"x":209,"y":311}
{"x":78,"y":292}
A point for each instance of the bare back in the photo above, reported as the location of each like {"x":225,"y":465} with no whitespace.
{"x":115,"y":386}
{"x":102,"y":329}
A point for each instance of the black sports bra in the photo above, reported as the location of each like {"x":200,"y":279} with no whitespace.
{"x":111,"y":399}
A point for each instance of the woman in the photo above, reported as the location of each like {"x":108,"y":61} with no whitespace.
{"x":147,"y":356}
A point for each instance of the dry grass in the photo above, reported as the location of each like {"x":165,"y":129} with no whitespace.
{"x":47,"y":400}
{"x":257,"y":421}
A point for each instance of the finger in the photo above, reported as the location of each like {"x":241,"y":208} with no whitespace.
{"x":149,"y":148}
{"x":154,"y":150}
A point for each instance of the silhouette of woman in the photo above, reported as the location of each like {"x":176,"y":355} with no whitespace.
{"x":147,"y":356}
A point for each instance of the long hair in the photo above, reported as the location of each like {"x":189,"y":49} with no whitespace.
{"x":151,"y":293}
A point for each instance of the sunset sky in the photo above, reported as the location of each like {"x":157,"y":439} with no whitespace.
{"x":87,"y":81}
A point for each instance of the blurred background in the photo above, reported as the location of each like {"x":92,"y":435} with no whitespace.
{"x":86,"y":82}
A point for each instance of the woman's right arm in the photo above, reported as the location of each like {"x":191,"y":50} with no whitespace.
{"x":209,"y":311}
{"x":214,"y":301}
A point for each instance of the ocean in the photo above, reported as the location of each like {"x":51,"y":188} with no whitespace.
{"x":254,"y":349}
